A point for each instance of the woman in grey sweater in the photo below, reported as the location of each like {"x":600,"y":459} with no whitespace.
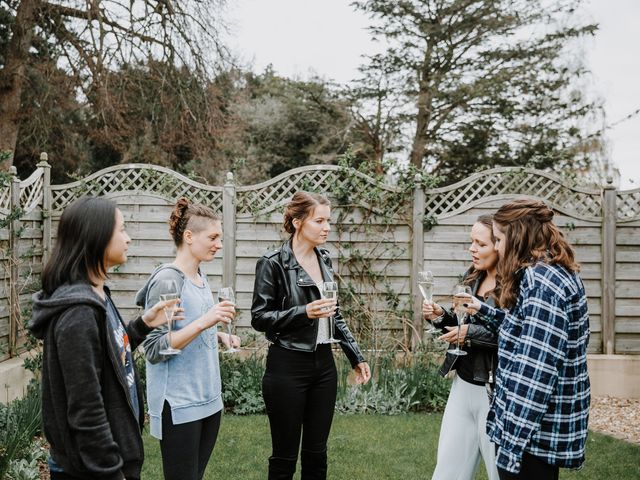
{"x":184,"y":390}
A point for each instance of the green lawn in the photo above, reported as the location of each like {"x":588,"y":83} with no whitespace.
{"x":377,"y":447}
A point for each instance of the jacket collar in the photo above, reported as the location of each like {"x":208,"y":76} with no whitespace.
{"x":290,"y":262}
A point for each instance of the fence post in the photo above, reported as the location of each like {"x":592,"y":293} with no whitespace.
{"x":609,"y":213}
{"x":14,"y":238}
{"x":229,"y":232}
{"x":417,"y":260}
{"x":46,"y":207}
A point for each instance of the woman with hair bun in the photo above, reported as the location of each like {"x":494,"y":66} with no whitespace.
{"x":184,"y":391}
{"x":538,"y":419}
{"x":300,"y":382}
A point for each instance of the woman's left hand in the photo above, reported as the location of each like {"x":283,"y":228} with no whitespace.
{"x":452,"y":335}
{"x":363,"y":373}
{"x":229,"y":340}
{"x":154,"y":317}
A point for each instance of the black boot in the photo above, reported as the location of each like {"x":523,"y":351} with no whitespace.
{"x":281,"y":468}
{"x":314,"y":465}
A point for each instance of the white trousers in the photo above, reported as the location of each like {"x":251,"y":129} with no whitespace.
{"x":463,"y":438}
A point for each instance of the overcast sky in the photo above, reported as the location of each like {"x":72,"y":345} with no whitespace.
{"x":326,"y":38}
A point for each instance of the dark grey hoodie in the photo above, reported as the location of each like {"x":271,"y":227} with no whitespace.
{"x":86,"y":406}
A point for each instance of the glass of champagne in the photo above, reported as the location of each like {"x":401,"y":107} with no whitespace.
{"x":461,"y":295}
{"x":425,"y":284}
{"x":330,"y":291}
{"x":169,"y":291}
{"x":226,"y":293}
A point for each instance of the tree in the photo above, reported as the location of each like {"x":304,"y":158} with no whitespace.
{"x":290,"y":123}
{"x":93,"y":40}
{"x":490,"y":82}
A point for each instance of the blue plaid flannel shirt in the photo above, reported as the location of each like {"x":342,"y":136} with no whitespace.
{"x":542,"y":393}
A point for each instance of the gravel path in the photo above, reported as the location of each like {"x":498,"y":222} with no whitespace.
{"x":618,"y":417}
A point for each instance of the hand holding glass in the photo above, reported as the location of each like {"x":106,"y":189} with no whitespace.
{"x":461,"y":295}
{"x":169,"y":291}
{"x":226,"y":293}
{"x":426,"y":284}
{"x":330,"y":291}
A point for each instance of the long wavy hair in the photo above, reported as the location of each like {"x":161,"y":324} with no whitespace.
{"x":531,"y":236}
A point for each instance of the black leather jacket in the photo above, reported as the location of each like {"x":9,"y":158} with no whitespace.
{"x":480,"y":342}
{"x":281,"y":293}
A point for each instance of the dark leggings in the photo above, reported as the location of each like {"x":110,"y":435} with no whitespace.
{"x":186,"y":447}
{"x":299,"y":390}
{"x":532,"y":468}
{"x":66,"y":476}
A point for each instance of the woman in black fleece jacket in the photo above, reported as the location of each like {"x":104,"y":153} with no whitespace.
{"x":91,"y":402}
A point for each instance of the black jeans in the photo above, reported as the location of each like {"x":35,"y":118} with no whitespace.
{"x":66,"y":476}
{"x":299,"y":390}
{"x":186,"y":447}
{"x":532,"y":468}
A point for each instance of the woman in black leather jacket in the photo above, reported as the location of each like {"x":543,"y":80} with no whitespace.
{"x":463,"y":438}
{"x":300,"y":382}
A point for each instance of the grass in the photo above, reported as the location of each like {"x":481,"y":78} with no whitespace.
{"x":377,"y":447}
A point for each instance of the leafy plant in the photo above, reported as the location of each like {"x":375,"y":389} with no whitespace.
{"x":242,"y":383}
{"x":20,"y":421}
{"x":400,"y":384}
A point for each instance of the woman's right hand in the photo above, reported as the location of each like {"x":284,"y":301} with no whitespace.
{"x":321,"y":308}
{"x":222,"y":312}
{"x":431,"y":310}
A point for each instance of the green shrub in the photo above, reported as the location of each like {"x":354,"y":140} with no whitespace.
{"x":20,"y":421}
{"x":242,"y":383}
{"x":409,"y":384}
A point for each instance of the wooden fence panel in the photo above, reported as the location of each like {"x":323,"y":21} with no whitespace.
{"x":361,"y":238}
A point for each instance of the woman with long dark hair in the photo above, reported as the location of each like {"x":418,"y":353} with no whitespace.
{"x":300,"y":381}
{"x":184,"y":390}
{"x":92,"y":407}
{"x":539,"y":415}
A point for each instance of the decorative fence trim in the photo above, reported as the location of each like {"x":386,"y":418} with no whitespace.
{"x":31,"y":190}
{"x":259,"y":199}
{"x":628,"y":205}
{"x":497,"y":183}
{"x":168,"y":185}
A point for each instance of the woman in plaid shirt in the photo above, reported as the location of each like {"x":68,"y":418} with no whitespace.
{"x":538,"y":418}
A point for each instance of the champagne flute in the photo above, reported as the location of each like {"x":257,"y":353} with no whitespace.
{"x":169,"y":291}
{"x":226,"y":293}
{"x":330,"y":291}
{"x":426,"y":284}
{"x":461,"y":295}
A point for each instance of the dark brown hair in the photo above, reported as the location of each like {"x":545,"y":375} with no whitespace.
{"x":300,"y":207}
{"x":189,"y":216}
{"x":530,"y":237}
{"x":81,"y":244}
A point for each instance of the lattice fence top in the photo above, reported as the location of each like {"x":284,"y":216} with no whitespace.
{"x":5,"y":199}
{"x":31,"y":191}
{"x":500,"y":183}
{"x":137,"y":179}
{"x":628,"y":203}
{"x":273,"y":194}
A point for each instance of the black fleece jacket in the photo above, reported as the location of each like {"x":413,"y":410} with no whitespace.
{"x":86,"y":406}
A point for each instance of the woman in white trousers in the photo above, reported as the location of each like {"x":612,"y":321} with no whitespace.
{"x":463,"y":438}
